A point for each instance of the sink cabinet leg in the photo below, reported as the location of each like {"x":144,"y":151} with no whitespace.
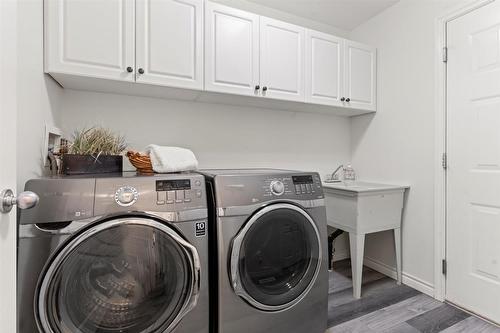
{"x":357,"y":243}
{"x":397,"y":246}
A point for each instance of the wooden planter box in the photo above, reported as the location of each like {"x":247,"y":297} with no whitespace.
{"x":88,"y":164}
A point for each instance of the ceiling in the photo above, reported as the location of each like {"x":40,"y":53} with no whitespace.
{"x":343,"y":14}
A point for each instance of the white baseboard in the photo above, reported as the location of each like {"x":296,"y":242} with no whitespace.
{"x":409,"y":280}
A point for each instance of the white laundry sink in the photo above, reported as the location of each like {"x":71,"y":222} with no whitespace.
{"x":360,"y":186}
{"x":363,"y":207}
{"x":360,"y":208}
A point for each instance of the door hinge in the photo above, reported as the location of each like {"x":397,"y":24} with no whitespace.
{"x":445,"y":54}
{"x":445,"y":267}
{"x":444,"y":161}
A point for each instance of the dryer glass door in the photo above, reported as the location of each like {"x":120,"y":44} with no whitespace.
{"x":125,"y":275}
{"x":276,"y":257}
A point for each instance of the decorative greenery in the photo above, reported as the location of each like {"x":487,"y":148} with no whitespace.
{"x":97,"y":141}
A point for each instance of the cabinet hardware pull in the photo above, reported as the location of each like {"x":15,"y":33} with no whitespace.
{"x":130,"y":69}
{"x":141,"y":71}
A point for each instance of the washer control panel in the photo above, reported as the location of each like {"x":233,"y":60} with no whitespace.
{"x":158,"y":193}
{"x":126,"y":196}
{"x":177,"y":191}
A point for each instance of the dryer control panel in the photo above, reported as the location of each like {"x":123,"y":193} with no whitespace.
{"x":250,"y":187}
{"x":300,"y":186}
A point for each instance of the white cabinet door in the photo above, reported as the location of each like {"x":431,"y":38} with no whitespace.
{"x":282,"y":63}
{"x":360,"y":76}
{"x":324,"y":68}
{"x":231,"y":50}
{"x":92,"y":38}
{"x":170,"y":43}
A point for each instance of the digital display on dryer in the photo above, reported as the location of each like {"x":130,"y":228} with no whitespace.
{"x":173,"y":184}
{"x":302,"y":179}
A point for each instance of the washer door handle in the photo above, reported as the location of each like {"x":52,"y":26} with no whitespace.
{"x":197,"y":270}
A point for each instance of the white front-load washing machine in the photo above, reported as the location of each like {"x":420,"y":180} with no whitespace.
{"x":110,"y":254}
{"x":269,"y":251}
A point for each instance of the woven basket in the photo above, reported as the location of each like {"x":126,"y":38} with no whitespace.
{"x":140,"y":161}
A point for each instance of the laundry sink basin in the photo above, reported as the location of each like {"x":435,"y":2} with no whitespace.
{"x":360,"y":186}
{"x":363,"y":206}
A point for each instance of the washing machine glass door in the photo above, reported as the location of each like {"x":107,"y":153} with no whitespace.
{"x":121,"y":275}
{"x":275,"y":258}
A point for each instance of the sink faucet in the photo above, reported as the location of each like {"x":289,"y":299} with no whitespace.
{"x":334,"y":175}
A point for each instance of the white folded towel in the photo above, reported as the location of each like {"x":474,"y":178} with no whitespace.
{"x":171,"y":159}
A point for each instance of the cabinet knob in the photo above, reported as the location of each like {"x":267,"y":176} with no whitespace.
{"x":348,"y":100}
{"x":257,"y":87}
{"x":141,"y":71}
{"x":264,"y":89}
{"x":130,"y":69}
{"x":342,"y":99}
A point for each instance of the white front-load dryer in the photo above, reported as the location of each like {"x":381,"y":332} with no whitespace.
{"x":270,"y":240}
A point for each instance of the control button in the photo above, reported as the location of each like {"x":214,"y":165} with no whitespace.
{"x":308,"y":188}
{"x":277,"y":187}
{"x":297,"y":189}
{"x":161,"y":197}
{"x":126,"y":196}
{"x":170,"y":197}
{"x":303,"y":188}
{"x":179,"y":196}
{"x":187,"y":196}
{"x":197,"y":183}
{"x":198,"y":193}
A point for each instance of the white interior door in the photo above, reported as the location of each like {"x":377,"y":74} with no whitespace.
{"x":324,"y":68}
{"x":170,"y":42}
{"x":360,"y":76}
{"x":90,"y":38}
{"x":8,"y":114}
{"x":231,"y":50}
{"x":282,"y":60}
{"x":473,"y":218}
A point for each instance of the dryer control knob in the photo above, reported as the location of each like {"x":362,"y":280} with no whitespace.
{"x":277,"y":187}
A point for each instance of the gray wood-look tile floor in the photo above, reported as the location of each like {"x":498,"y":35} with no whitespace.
{"x":389,"y":308}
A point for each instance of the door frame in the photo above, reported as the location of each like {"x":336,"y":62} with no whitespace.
{"x":440,"y":173}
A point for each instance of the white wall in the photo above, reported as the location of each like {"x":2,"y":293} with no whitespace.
{"x":221,"y":136}
{"x":38,"y":94}
{"x":397,"y":144}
